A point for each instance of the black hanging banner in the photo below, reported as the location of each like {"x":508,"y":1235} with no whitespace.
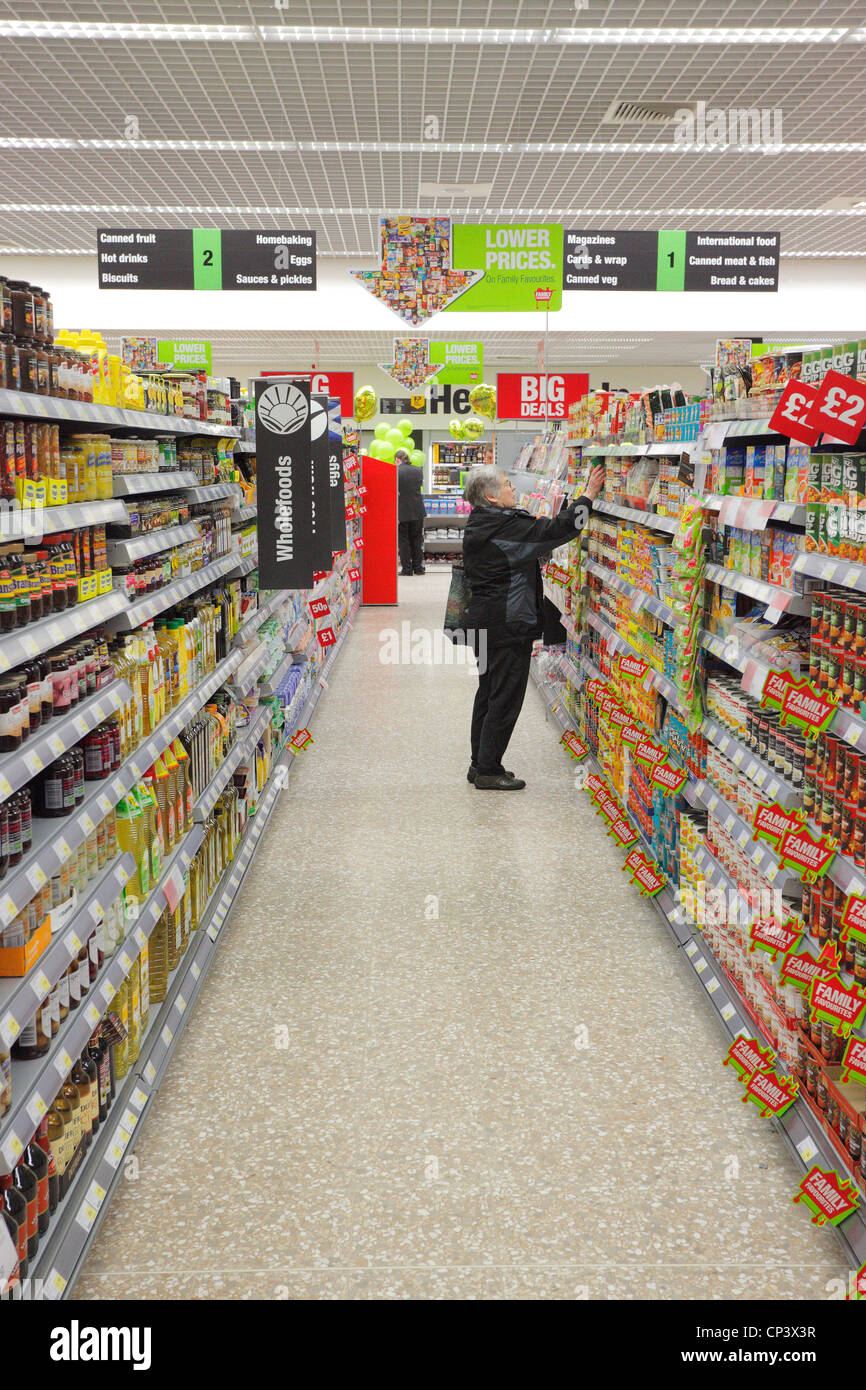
{"x":285,"y":484}
{"x":335,"y":473}
{"x":322,"y":549}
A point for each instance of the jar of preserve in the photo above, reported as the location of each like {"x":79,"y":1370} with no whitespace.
{"x":78,"y":774}
{"x":10,"y":717}
{"x":40,"y":325}
{"x":43,"y":374}
{"x":29,"y":367}
{"x":15,"y":852}
{"x":25,"y":809}
{"x":33,"y":678}
{"x":4,"y":840}
{"x":61,"y":697}
{"x":5,"y":306}
{"x":13,"y":362}
{"x":22,"y":308}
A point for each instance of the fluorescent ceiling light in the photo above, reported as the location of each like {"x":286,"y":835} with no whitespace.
{"x":584,"y":215}
{"x":317,"y":33}
{"x":495,"y":147}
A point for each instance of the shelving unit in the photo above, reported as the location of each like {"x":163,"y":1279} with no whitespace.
{"x":62,"y":1252}
{"x":21,"y":523}
{"x":151,"y":543}
{"x":214,"y":492}
{"x":133,"y":614}
{"x":37,"y":638}
{"x":639,"y":597}
{"x":22,"y":405}
{"x":135,"y":484}
{"x":53,"y":739}
{"x":778,"y":600}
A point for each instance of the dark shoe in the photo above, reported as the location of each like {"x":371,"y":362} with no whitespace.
{"x":405,"y":574}
{"x":498,"y":782}
{"x":473,"y":772}
{"x":423,"y":571}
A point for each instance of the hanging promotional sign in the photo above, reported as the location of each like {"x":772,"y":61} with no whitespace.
{"x":412,"y":366}
{"x":515,"y":259}
{"x":178,"y":353}
{"x":417,"y":277}
{"x":460,"y":364}
{"x":671,"y":261}
{"x":340,"y":384}
{"x":336,"y":490}
{"x":320,"y":472}
{"x":285,"y":485}
{"x":533,"y":396}
{"x":204,"y":258}
{"x":767,"y":934}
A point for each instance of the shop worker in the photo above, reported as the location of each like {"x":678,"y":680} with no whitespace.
{"x":502,"y":545}
{"x":410,"y":514}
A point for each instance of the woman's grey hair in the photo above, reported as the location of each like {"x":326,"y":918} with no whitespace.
{"x":481,"y":480}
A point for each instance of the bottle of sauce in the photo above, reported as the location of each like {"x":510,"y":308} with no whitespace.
{"x":24,"y":1178}
{"x":43,"y":1140}
{"x":37,"y":1160}
{"x":14,"y":1202}
{"x":14,"y":1274}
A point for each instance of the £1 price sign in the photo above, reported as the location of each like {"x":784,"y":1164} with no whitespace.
{"x":326,"y":637}
{"x":840,"y":407}
{"x":793,"y":414}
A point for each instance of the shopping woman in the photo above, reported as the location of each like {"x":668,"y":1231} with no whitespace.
{"x":502,"y":546}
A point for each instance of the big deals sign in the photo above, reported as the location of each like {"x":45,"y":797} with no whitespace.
{"x":538,"y":396}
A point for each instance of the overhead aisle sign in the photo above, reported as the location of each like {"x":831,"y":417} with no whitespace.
{"x":517,"y":258}
{"x":205,"y":258}
{"x":671,"y":261}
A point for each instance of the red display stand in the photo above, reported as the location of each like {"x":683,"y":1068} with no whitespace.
{"x":379,"y":556}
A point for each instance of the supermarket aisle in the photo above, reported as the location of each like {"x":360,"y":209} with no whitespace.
{"x":379,"y":1093}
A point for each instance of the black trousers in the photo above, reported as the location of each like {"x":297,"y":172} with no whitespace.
{"x":501,"y":688}
{"x":410,"y":536}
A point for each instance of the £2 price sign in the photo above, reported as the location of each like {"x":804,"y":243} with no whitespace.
{"x":793,"y":414}
{"x":840,"y":407}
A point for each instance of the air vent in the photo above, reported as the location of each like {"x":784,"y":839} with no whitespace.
{"x":454,"y":190}
{"x":645,"y":112}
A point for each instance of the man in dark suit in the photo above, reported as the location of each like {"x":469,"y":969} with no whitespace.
{"x":410,"y":514}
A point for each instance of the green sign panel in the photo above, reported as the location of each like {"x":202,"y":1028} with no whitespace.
{"x":463,"y":363}
{"x":186,"y":353}
{"x":518,"y":260}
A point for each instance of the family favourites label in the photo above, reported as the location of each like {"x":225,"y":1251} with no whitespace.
{"x":633,"y":666}
{"x":833,"y":1003}
{"x":854,"y":918}
{"x":623,"y":832}
{"x":773,"y":822}
{"x":776,"y":687}
{"x":747,"y":1057}
{"x":768,"y":934}
{"x":808,"y":857}
{"x":805,"y":707}
{"x":571,"y":741}
{"x":828,"y":1197}
{"x":772,"y":1094}
{"x":854,"y":1061}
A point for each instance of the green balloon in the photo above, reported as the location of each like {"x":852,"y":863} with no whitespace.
{"x":405,"y":425}
{"x":396,"y":437}
{"x":386,"y":452}
{"x":417,"y":458}
{"x":381,"y":431}
{"x":373,"y":448}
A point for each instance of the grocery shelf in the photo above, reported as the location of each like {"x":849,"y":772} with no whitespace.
{"x":718,"y":877}
{"x":571,"y":673}
{"x":133,"y":614}
{"x":249,"y":512}
{"x":591,"y":669}
{"x":213,"y":492}
{"x":778,"y":600}
{"x":249,"y":669}
{"x":452,"y":519}
{"x":133,"y":484}
{"x":245,"y":446}
{"x":845,"y":724}
{"x":53,"y":739}
{"x":761,"y":855}
{"x":619,"y":644}
{"x":849,"y":574}
{"x":640,"y":598}
{"x":244,"y":564}
{"x":759,"y":772}
{"x":151,"y":543}
{"x":442,"y":545}
{"x":36,"y":638}
{"x":62,"y":1252}
{"x":753,"y":513}
{"x":265,"y":610}
{"x":272,"y":684}
{"x":28,"y":523}
{"x":29,"y":407}
{"x":21,"y":996}
{"x":650,"y":519}
{"x":245,"y":742}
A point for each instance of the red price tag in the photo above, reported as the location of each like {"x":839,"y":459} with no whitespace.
{"x":793,"y":414}
{"x":362,"y":490}
{"x":172,"y":896}
{"x":350,"y":512}
{"x":354,"y":573}
{"x":840,"y":409}
{"x":319,"y":608}
{"x":326,"y":637}
{"x":358,"y":543}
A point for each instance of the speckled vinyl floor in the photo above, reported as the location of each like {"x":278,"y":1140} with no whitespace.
{"x":379,"y":1093}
